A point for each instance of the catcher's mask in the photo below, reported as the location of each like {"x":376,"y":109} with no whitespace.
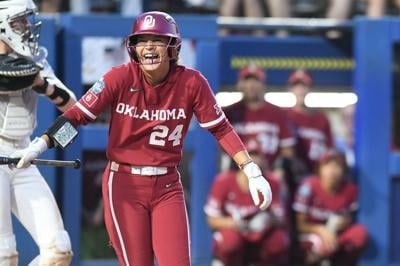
{"x":158,"y":24}
{"x":18,"y":27}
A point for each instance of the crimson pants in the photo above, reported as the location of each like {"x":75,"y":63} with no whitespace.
{"x":233,"y":249}
{"x":351,"y":241}
{"x":145,"y":217}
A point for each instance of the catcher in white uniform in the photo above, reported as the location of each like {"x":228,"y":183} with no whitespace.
{"x":24,"y":192}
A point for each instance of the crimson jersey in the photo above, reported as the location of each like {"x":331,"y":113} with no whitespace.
{"x":314,"y":136}
{"x":312,"y":200}
{"x":148,"y":123}
{"x":268,"y":125}
{"x":226,"y":198}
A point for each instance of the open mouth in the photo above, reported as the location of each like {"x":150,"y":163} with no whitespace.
{"x":151,"y":58}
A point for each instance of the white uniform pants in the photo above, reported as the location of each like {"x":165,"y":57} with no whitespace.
{"x":25,"y":193}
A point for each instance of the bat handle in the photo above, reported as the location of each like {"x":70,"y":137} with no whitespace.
{"x":13,"y":160}
{"x":77,"y":163}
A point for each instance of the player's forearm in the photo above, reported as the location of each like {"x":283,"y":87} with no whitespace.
{"x":242,"y":158}
{"x":234,"y":147}
{"x":58,"y":95}
{"x":47,"y":140}
{"x":218,"y":223}
{"x":69,"y":104}
{"x":60,"y":98}
{"x":305,"y":227}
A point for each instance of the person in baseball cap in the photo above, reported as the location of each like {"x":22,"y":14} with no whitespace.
{"x":253,"y":110}
{"x":330,"y":232}
{"x":300,"y":76}
{"x":299,"y":83}
{"x":334,"y":176}
{"x":333,"y":155}
{"x":309,"y":147}
{"x":242,"y":234}
{"x":252,"y":71}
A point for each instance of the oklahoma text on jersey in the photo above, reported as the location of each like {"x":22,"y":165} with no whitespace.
{"x":150,"y":115}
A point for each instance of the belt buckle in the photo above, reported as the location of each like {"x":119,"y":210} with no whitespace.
{"x":114,"y":166}
{"x":153,"y":170}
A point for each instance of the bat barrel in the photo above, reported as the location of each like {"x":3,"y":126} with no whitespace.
{"x":57,"y":163}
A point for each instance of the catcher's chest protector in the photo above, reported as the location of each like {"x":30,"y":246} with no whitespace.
{"x":18,"y":114}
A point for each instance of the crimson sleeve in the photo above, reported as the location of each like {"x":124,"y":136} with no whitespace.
{"x":303,"y":196}
{"x":205,"y":107}
{"x":99,"y":96}
{"x":228,"y":139}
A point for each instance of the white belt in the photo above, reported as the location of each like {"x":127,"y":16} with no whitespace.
{"x":139,"y":170}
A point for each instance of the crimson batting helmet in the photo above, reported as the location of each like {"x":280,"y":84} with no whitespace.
{"x":159,"y":24}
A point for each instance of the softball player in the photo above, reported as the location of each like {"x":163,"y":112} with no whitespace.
{"x":325,"y":207}
{"x":24,"y":192}
{"x":152,"y":101}
{"x":313,"y":130}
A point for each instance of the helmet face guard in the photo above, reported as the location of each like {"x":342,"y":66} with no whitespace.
{"x":19,"y":28}
{"x":25,"y":25}
{"x":172,"y":49}
{"x":157,"y":24}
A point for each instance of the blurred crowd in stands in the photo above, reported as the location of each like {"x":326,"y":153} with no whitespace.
{"x":340,"y":10}
{"x":336,"y":9}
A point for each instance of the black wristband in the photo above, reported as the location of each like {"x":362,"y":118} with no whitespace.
{"x":41,"y":89}
{"x":61,"y":132}
{"x":58,"y":92}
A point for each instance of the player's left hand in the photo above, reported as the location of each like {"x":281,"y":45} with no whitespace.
{"x":257,"y":183}
{"x":27,"y":155}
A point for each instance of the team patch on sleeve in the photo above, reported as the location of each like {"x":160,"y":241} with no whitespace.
{"x":98,"y":86}
{"x":305,"y":191}
{"x":217,"y":109}
{"x":90,"y":98}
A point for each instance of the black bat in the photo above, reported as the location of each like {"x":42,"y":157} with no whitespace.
{"x":57,"y":163}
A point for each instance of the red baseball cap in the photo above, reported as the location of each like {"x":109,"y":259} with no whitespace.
{"x":300,"y":76}
{"x":254,"y":71}
{"x":332,"y":155}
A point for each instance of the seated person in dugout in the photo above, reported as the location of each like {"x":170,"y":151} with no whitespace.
{"x":244,"y":234}
{"x":325,"y":206}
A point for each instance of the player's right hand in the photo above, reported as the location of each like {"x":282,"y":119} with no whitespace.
{"x":27,"y":155}
{"x":257,"y":183}
{"x":329,"y":240}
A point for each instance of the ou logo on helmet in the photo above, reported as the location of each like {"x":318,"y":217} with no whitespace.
{"x":149,"y":21}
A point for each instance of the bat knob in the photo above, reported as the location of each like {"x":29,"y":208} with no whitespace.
{"x":77,"y":164}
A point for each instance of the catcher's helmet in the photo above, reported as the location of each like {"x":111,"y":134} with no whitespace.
{"x":17,"y":26}
{"x":159,"y":24}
